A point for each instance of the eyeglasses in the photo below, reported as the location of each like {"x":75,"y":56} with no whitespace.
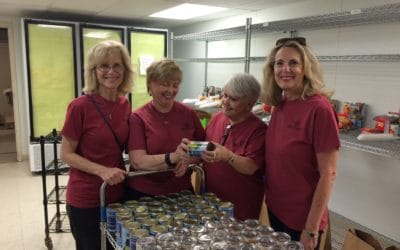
{"x":282,"y":41}
{"x":107,"y":67}
{"x":225,"y":135}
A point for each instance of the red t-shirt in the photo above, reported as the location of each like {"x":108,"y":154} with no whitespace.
{"x":297,"y":131}
{"x":160,"y":133}
{"x":244,"y":139}
{"x":96,"y":143}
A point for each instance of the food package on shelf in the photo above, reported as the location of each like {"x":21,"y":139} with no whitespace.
{"x":352,"y":116}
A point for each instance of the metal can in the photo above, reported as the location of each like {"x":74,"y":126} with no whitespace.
{"x":165,"y":219}
{"x":264,"y":230}
{"x":111,"y":213}
{"x":226,"y":207}
{"x":157,"y":229}
{"x":212,"y":226}
{"x":205,"y":239}
{"x":293,"y":245}
{"x":266,"y":242}
{"x":196,"y":230}
{"x":249,"y":236}
{"x":188,"y":243}
{"x":148,"y":223}
{"x":127,"y":227}
{"x":140,"y":209}
{"x":281,"y":238}
{"x":219,"y":245}
{"x":236,"y":228}
{"x":136,"y":234}
{"x":121,"y":219}
{"x":145,"y":242}
{"x":220,"y":235}
{"x":163,"y":238}
{"x":251,"y":224}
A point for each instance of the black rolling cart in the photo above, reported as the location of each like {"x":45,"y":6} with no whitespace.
{"x":59,"y":221}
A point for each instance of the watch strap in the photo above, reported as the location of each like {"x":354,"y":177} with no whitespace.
{"x":168,"y":161}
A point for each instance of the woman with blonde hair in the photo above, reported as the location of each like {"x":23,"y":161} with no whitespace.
{"x":94,"y":135}
{"x":302,"y":142}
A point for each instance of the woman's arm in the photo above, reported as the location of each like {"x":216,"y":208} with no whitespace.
{"x":68,"y":154}
{"x":242,"y":164}
{"x":327,"y":169}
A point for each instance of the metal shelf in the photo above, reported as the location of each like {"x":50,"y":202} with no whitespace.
{"x":212,"y":60}
{"x":373,"y":15}
{"x":382,"y":148}
{"x":349,"y":58}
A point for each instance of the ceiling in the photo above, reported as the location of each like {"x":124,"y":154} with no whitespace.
{"x":131,"y":12}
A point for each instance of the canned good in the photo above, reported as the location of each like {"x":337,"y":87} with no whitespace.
{"x":111,"y":213}
{"x":188,"y":243}
{"x":165,"y":219}
{"x":226,"y":207}
{"x":163,"y":238}
{"x":265,"y":242}
{"x":127,"y":227}
{"x":233,"y":241}
{"x":196,"y":230}
{"x":236,"y":228}
{"x":205,"y":239}
{"x":281,"y":238}
{"x":293,"y":245}
{"x":251,"y":224}
{"x":148,"y":223}
{"x":181,"y":217}
{"x":249,"y":246}
{"x":219,"y":245}
{"x":145,"y":242}
{"x":264,"y":230}
{"x":140,"y":209}
{"x":220,"y":235}
{"x":157,"y":229}
{"x":121,"y":219}
{"x":142,"y":217}
{"x":249,"y":236}
{"x":212,"y":226}
{"x":136,"y":234}
{"x":131,"y":203}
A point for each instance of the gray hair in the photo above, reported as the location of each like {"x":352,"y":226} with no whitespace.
{"x":243,"y":85}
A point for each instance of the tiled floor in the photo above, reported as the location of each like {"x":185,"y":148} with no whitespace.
{"x":22,"y":212}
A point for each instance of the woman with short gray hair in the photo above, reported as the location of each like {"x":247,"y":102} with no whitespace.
{"x":238,"y":158}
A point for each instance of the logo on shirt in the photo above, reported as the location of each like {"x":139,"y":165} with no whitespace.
{"x":295,"y":125}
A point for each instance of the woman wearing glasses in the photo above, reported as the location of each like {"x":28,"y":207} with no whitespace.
{"x":234,"y":169}
{"x":88,"y":143}
{"x":157,"y":129}
{"x":302,"y":142}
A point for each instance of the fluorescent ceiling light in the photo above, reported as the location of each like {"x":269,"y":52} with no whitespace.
{"x":187,"y":11}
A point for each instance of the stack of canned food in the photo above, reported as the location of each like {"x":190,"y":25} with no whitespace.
{"x":187,"y":221}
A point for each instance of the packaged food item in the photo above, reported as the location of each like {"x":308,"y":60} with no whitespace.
{"x":196,"y":148}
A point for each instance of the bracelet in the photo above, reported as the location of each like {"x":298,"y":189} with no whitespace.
{"x":231,"y":159}
{"x":168,"y":161}
{"x":311,"y":234}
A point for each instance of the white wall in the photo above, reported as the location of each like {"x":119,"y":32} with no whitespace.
{"x":367,"y":185}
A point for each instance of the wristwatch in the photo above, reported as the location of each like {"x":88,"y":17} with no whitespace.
{"x":168,"y":161}
{"x":311,"y":234}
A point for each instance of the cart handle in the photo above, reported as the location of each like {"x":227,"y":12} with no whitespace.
{"x":194,"y":167}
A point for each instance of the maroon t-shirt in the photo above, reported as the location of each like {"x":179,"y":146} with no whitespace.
{"x":297,"y":131}
{"x":160,"y":133}
{"x":244,"y":139}
{"x":96,"y":143}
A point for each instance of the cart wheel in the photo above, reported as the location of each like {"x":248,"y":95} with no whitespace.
{"x":48,"y":243}
{"x":58,"y":226}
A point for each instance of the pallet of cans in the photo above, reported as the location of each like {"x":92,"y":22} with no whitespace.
{"x":186,"y":221}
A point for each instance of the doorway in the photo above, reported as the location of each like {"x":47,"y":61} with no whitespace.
{"x":7,"y":126}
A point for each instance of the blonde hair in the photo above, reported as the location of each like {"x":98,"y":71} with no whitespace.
{"x":162,"y":71}
{"x":313,"y":80}
{"x":97,"y":55}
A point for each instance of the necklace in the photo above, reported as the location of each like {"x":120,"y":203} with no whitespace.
{"x":112,"y":111}
{"x":106,"y":105}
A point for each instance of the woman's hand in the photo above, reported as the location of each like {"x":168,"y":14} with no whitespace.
{"x":220,"y":153}
{"x":112,"y":176}
{"x":181,"y":168}
{"x":308,"y":242}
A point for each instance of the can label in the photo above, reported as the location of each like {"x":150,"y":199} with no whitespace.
{"x":111,"y":212}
